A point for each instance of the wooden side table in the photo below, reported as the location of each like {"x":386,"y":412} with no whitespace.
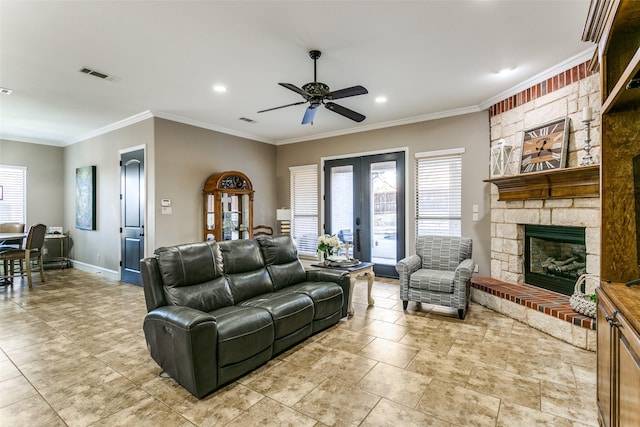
{"x":362,"y":270}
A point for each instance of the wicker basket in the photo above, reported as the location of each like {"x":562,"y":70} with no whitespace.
{"x":581,"y":302}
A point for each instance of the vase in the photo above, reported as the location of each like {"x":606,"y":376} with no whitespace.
{"x":325,"y":258}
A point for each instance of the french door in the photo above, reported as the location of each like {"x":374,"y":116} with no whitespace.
{"x":364,"y":206}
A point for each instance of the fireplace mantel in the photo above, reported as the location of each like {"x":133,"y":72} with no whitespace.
{"x":567,"y":183}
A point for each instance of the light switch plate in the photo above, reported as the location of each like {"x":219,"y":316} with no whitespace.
{"x":165,"y":202}
{"x":475,"y":217}
{"x":475,"y":209}
{"x":167,"y":210}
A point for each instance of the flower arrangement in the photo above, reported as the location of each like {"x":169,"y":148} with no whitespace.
{"x":328,"y":244}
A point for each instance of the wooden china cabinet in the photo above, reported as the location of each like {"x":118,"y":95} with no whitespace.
{"x":615,"y":26}
{"x":228,"y":207}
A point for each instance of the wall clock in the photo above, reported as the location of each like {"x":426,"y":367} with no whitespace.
{"x":545,"y":147}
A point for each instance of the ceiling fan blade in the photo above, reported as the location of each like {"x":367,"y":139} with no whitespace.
{"x":344,"y":93}
{"x":283,"y":106}
{"x":295,"y":89}
{"x":343,"y":111}
{"x":309,"y":114}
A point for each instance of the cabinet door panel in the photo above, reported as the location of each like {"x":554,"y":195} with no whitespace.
{"x":605,"y":336}
{"x":629,"y":376}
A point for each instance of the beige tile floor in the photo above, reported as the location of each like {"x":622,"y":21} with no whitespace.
{"x":72,"y":352}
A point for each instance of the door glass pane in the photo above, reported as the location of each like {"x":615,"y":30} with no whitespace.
{"x":342,"y":204}
{"x":383,"y":212}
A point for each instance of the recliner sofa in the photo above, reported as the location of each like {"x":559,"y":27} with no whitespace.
{"x":219,"y":310}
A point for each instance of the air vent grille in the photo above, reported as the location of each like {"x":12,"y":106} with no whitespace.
{"x":95,"y":73}
{"x":5,"y":91}
{"x":248,"y":120}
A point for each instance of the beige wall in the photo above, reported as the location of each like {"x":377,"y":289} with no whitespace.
{"x":186,"y":156}
{"x":45,"y":190}
{"x":469,"y":131}
{"x":101,"y":248}
{"x":178,"y":159}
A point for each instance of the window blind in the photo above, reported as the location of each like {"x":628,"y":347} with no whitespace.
{"x":304,"y":208}
{"x":13,"y":182}
{"x":439,"y":194}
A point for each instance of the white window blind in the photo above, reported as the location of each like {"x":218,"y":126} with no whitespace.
{"x":304,"y":208}
{"x":439,"y":193}
{"x":13,"y":190}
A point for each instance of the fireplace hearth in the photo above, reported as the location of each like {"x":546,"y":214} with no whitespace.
{"x":554,"y":256}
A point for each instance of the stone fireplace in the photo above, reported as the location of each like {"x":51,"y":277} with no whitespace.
{"x":575,"y":216}
{"x":567,"y":198}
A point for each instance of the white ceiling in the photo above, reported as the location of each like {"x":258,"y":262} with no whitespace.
{"x":429,"y":58}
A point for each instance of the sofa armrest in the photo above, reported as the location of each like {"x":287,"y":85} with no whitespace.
{"x":335,"y":276}
{"x":183,"y":341}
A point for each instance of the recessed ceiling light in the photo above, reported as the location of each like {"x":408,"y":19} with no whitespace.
{"x":381,"y":99}
{"x":506,"y":71}
{"x":5,"y":91}
{"x":220,"y":88}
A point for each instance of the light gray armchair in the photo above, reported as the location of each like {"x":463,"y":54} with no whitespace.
{"x":438,"y":273}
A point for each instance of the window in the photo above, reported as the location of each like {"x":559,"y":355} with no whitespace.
{"x":439,"y":193}
{"x":13,"y":190}
{"x":304,"y":208}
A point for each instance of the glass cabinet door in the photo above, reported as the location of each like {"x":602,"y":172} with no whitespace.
{"x":210,"y":217}
{"x":228,"y":205}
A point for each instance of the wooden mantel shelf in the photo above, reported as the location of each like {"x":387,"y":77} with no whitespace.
{"x":581,"y":181}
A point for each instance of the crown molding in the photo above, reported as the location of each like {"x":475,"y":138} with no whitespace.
{"x":546,"y":74}
{"x":110,"y":128}
{"x":383,"y":125}
{"x":209,"y":126}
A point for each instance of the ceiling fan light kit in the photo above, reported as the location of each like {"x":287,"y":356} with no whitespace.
{"x":316,"y":93}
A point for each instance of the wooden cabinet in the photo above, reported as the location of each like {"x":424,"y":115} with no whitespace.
{"x":228,"y":207}
{"x":614,"y":25}
{"x":618,"y":367}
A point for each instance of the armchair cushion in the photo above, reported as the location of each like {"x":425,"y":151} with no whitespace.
{"x":433,"y":280}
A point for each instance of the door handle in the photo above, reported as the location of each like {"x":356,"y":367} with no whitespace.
{"x":357,"y":240}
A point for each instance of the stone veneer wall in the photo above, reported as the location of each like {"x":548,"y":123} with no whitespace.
{"x":564,"y":95}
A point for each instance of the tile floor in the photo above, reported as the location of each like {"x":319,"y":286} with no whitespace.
{"x":72,"y":352}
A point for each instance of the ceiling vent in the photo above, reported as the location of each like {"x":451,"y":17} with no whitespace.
{"x":248,"y":120}
{"x":5,"y":91}
{"x":99,"y":74}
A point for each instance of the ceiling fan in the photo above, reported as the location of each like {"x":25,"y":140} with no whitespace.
{"x":317,"y":93}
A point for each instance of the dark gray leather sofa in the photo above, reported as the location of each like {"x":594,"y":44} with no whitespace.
{"x":219,"y":310}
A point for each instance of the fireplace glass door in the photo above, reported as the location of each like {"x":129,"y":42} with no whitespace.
{"x":554,"y":257}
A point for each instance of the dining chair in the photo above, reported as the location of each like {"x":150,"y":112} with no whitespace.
{"x":30,"y":252}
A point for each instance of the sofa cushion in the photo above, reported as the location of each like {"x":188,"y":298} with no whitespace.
{"x":243,"y":332}
{"x":289,"y":312}
{"x":192,"y":276}
{"x":327,"y":297}
{"x":433,"y":280}
{"x":281,"y":257}
{"x":245,"y":269}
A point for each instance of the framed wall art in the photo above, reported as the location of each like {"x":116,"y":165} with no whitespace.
{"x":86,"y":198}
{"x":544,"y":147}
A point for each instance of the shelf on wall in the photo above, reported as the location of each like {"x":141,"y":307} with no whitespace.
{"x":582,"y":181}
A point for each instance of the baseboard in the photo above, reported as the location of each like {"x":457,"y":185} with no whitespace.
{"x":109,"y":274}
